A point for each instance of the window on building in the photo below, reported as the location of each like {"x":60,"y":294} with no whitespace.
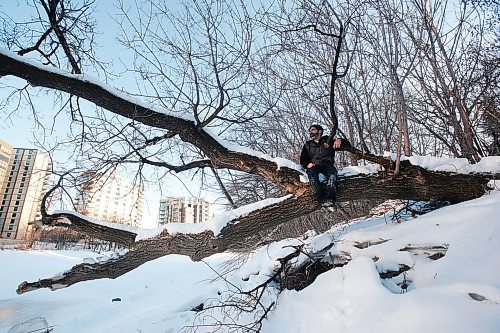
{"x":5,"y":196}
{"x":18,"y":197}
{"x":3,"y":202}
{"x":11,"y":227}
{"x":15,"y":209}
{"x":21,"y":185}
{"x":17,"y":203}
{"x":23,"y":179}
{"x":20,"y":190}
{"x":8,"y":235}
{"x":14,"y":214}
{"x":12,"y":221}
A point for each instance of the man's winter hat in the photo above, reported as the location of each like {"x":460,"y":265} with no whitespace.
{"x":317,"y":127}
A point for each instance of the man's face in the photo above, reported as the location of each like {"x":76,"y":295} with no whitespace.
{"x":314,"y":133}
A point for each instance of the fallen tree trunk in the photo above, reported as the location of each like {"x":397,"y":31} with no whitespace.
{"x":413,"y":183}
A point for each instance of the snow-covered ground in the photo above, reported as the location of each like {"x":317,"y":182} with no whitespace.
{"x":459,"y":292}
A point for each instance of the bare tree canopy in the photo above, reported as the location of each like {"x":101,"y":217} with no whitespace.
{"x":230,"y":88}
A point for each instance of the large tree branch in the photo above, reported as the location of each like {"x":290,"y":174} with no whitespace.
{"x":197,"y":246}
{"x":144,"y":251}
{"x":121,"y":104}
{"x":80,"y":223}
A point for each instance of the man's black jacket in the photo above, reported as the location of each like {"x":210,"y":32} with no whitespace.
{"x":316,"y":152}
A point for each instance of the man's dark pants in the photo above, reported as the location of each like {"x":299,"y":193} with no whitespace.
{"x":330,"y":172}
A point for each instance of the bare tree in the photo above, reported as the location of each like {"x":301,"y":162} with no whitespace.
{"x":446,"y":71}
{"x":197,"y":77}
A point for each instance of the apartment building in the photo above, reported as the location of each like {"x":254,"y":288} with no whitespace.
{"x":111,"y":198}
{"x":6,"y":151}
{"x":184,"y":210}
{"x":24,"y":183}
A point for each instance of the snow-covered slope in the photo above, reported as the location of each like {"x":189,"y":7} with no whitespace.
{"x":459,"y":292}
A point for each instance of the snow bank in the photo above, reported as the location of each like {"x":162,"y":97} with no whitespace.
{"x":459,"y":292}
{"x":359,"y":170}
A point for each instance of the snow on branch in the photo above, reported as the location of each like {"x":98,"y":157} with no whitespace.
{"x":75,"y":220}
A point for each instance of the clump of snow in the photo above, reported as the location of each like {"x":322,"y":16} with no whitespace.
{"x":494,"y":184}
{"x":369,"y":168}
{"x":221,"y":220}
{"x":279,"y":161}
{"x":89,"y":261}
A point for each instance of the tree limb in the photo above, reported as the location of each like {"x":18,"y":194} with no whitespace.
{"x":115,"y":101}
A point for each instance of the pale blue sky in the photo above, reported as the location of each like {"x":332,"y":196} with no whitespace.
{"x":19,"y":129}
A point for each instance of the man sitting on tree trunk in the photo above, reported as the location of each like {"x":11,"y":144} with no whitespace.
{"x":318,"y":156}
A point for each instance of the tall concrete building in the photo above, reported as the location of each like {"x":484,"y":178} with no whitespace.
{"x":184,"y":210}
{"x":24,"y":184}
{"x":6,"y":151}
{"x":111,"y":198}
